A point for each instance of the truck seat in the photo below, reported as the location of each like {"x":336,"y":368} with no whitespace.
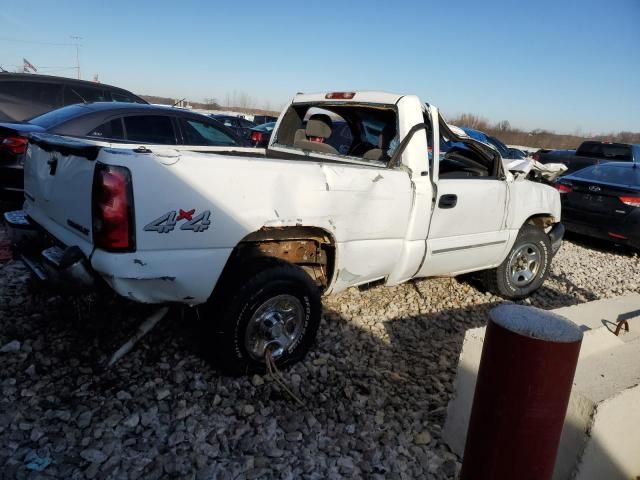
{"x":312,"y":138}
{"x":384,"y":140}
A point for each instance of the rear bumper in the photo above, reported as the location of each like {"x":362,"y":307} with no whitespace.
{"x":624,"y":235}
{"x":162,"y":276}
{"x":556,"y":234}
{"x":65,"y":268}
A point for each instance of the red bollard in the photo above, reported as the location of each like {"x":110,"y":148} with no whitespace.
{"x":524,"y":381}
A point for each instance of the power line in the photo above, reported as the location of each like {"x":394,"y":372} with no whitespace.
{"x":57,"y":67}
{"x":48,"y":67}
{"x":5,"y":39}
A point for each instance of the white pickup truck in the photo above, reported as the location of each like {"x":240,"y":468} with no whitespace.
{"x":352,"y":189}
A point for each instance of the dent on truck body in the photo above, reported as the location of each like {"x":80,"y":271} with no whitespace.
{"x":532,"y":200}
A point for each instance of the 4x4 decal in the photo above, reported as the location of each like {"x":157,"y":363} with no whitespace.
{"x":168,"y":222}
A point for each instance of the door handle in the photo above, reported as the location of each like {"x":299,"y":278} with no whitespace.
{"x":53,"y":165}
{"x":448,"y":201}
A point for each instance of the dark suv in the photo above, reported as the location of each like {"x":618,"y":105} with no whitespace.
{"x":25,"y":95}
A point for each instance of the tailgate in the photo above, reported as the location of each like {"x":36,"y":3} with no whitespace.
{"x":58,"y":179}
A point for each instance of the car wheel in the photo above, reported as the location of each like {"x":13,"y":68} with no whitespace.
{"x":274,"y":311}
{"x":526,"y":267}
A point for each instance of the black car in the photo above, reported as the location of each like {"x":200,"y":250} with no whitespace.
{"x":121,"y":122}
{"x":240,"y":125}
{"x":603,"y":201}
{"x":262,"y":119}
{"x":260,"y":135}
{"x":590,"y":153}
{"x":26,"y":95}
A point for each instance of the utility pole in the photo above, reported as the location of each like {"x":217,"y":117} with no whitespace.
{"x":77,"y":39}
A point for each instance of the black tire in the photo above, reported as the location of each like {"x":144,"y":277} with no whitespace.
{"x":232,"y":315}
{"x":501,"y":280}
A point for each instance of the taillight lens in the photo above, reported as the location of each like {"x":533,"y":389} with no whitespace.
{"x":256,"y":136}
{"x":562,"y":188}
{"x":631,"y":201}
{"x":113,"y":225}
{"x":617,"y":235}
{"x":16,"y":145}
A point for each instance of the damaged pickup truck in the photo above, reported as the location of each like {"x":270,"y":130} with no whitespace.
{"x":256,"y":237}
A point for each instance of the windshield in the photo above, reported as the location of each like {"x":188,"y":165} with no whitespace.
{"x":483,"y":137}
{"x":502,"y":148}
{"x":61,"y":115}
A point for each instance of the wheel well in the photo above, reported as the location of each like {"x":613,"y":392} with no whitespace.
{"x":311,"y":248}
{"x":542,"y":221}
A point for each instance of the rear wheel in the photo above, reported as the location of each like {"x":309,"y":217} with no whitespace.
{"x":525,"y":268}
{"x":274,"y":311}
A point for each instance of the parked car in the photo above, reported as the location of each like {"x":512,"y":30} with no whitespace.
{"x":121,"y":122}
{"x":603,"y":201}
{"x":261,"y":134}
{"x":240,"y":125}
{"x":257,"y":239}
{"x":591,"y":153}
{"x":261,"y":119}
{"x":27,"y":95}
{"x":540,"y":151}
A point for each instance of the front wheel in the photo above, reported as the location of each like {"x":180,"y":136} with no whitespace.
{"x":526,"y":267}
{"x":275,"y":312}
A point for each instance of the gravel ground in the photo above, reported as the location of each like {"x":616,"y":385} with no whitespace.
{"x":375,"y":386}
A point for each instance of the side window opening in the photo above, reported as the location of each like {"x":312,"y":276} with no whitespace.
{"x":81,"y":94}
{"x":459,"y":158}
{"x":117,"y":96}
{"x":26,"y":99}
{"x":49,"y":94}
{"x":356,"y":131}
{"x":155,"y":129}
{"x":228,"y":122}
{"x":109,"y":130}
{"x":199,"y":133}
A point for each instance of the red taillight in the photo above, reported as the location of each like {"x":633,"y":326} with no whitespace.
{"x":631,"y":201}
{"x":562,"y":188}
{"x":616,"y":235}
{"x":536,"y":156}
{"x":256,"y":136}
{"x":340,"y":95}
{"x":113,"y":227}
{"x":16,"y":145}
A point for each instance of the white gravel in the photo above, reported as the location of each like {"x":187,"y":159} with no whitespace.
{"x":375,"y":386}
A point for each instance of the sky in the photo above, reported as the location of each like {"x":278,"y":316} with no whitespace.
{"x":572,"y":66}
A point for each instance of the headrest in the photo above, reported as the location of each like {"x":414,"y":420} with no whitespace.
{"x":387,"y":134}
{"x":319,"y":125}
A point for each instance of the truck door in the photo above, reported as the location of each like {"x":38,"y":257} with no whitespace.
{"x":467,"y":230}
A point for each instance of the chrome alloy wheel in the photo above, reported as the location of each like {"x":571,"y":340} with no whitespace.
{"x":524,"y":264}
{"x":275,"y":325}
